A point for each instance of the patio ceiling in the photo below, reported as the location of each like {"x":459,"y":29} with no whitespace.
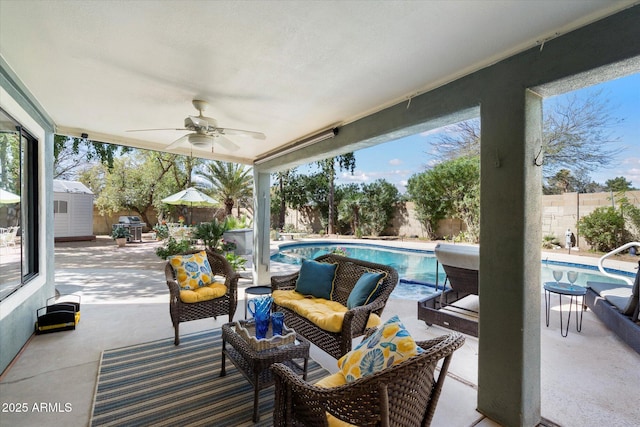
{"x":286,"y":69}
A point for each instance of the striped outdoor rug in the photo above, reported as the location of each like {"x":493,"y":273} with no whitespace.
{"x":159,"y":384}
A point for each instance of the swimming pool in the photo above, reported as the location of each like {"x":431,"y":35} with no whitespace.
{"x":417,"y":268}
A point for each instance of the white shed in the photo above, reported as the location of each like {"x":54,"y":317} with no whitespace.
{"x":73,"y":211}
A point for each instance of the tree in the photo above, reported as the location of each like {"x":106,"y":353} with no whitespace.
{"x":308,"y":194}
{"x":71,"y":154}
{"x":136,"y":182}
{"x":279,"y":199}
{"x":229,"y":182}
{"x":350,"y":207}
{"x":617,"y":184}
{"x":631,"y":213}
{"x":10,"y":162}
{"x":577,"y":136}
{"x":564,"y":181}
{"x":328,"y":167}
{"x":379,"y":199}
{"x":449,"y":189}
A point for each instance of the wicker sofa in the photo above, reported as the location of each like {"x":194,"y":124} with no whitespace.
{"x":617,"y":306}
{"x":222,"y":306}
{"x":354,"y":323}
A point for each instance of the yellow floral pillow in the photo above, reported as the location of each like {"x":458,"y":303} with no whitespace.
{"x":192,"y":271}
{"x":388,"y":346}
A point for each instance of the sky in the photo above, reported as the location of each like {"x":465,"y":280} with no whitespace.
{"x":398,"y":160}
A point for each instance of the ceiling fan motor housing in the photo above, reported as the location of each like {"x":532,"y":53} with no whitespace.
{"x":199,"y":140}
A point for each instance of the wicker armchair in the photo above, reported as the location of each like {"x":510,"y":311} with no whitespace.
{"x":405,"y":394}
{"x":222,"y":306}
{"x":355,"y":320}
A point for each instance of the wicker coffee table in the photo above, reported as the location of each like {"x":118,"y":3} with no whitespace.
{"x":255,"y":364}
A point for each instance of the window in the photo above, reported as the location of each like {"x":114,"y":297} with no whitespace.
{"x":18,"y":206}
{"x":59,"y":206}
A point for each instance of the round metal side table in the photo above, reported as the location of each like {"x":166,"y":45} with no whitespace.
{"x":571,"y":291}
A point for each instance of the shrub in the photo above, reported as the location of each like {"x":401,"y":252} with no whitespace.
{"x":236,"y":261}
{"x":228,"y":245}
{"x":161,"y":230}
{"x":173,"y":247}
{"x":234,"y":223}
{"x":550,"y":241}
{"x":210,"y":233}
{"x":603,"y":229}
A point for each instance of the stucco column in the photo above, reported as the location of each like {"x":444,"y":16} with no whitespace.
{"x":510,"y":291}
{"x":261,"y":227}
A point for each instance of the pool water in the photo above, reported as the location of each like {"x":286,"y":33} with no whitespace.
{"x":417,"y":268}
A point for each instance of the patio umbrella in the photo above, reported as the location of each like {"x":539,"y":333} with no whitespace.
{"x":7,"y":197}
{"x":189,"y":197}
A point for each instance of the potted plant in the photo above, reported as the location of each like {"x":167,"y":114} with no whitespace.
{"x":120,"y":235}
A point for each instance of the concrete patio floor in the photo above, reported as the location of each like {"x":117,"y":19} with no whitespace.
{"x":588,"y":379}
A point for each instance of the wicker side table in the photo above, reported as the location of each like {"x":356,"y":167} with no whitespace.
{"x":254,"y":365}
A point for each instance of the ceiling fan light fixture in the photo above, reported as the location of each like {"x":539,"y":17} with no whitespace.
{"x":198,"y":140}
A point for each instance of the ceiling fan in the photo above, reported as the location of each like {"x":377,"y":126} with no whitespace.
{"x":205,"y":130}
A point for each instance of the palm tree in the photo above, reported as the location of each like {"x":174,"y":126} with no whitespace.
{"x":229,"y":181}
{"x":349,"y":210}
{"x":328,"y":166}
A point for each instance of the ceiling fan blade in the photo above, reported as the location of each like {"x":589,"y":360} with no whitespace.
{"x":226,"y":143}
{"x":146,"y":130}
{"x":178,"y":142}
{"x":240,"y":132}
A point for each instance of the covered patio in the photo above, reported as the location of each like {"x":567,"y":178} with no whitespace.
{"x":587,"y":379}
{"x":291,"y":70}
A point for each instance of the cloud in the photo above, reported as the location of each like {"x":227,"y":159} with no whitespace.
{"x":631,"y":161}
{"x":395,"y":162}
{"x":357,"y":176}
{"x":360,"y":176}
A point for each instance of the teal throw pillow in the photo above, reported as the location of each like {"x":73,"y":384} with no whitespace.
{"x":365,"y":288}
{"x":316,"y":279}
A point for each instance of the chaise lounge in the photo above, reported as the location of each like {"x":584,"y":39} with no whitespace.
{"x":456,"y":306}
{"x":617,"y":306}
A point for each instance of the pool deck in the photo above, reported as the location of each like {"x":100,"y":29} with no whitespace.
{"x":588,"y":379}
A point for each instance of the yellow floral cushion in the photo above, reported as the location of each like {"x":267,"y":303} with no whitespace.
{"x":203,"y":293}
{"x":325,"y":314}
{"x":192,"y":271}
{"x":388,"y":346}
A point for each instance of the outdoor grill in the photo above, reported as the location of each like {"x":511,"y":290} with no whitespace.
{"x":134,"y":225}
